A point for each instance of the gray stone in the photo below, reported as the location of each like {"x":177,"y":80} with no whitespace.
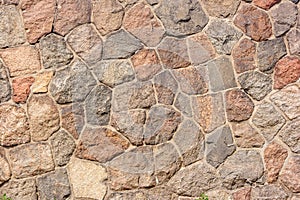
{"x":5,"y":86}
{"x":256,"y":84}
{"x":120,"y":45}
{"x":223,"y":35}
{"x":289,"y":134}
{"x":269,"y":192}
{"x":294,"y":1}
{"x":221,"y":8}
{"x":20,"y":189}
{"x":293,"y":41}
{"x":219,"y":145}
{"x":183,"y":104}
{"x":54,"y":51}
{"x":5,"y":172}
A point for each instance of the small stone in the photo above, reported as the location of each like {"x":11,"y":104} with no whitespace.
{"x":290,"y":174}
{"x":146,"y":64}
{"x":86,"y":43}
{"x":289,"y":134}
{"x":54,"y":51}
{"x":219,"y":145}
{"x":100,"y":144}
{"x":265,"y":4}
{"x":223,"y":35}
{"x":256,"y":84}
{"x":21,"y":89}
{"x":269,"y":192}
{"x":63,"y":146}
{"x":254,"y":22}
{"x":107,"y":15}
{"x":141,"y":22}
{"x":221,"y":8}
{"x":41,"y":82}
{"x":242,"y":194}
{"x":293,"y":41}
{"x":244,"y":56}
{"x":87,"y":179}
{"x":5,"y":92}
{"x":20,"y":189}
{"x":72,"y":117}
{"x":25,"y":160}
{"x":4,"y":167}
{"x":54,"y":185}
{"x":183,"y":104}
{"x":14,"y":127}
{"x":114,"y":72}
{"x":21,"y":60}
{"x":71,"y":13}
{"x":287,"y":70}
{"x":173,"y":53}
{"x":209,"y":111}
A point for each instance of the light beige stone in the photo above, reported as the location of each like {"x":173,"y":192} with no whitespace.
{"x":42,"y":81}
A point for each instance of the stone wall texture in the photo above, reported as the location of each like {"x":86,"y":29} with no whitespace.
{"x":150,"y":99}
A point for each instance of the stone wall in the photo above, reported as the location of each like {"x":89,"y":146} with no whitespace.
{"x":152,"y":100}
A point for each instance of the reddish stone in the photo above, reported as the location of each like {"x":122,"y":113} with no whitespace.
{"x":72,"y":117}
{"x":265,"y":4}
{"x":242,"y":194}
{"x":290,"y":175}
{"x":287,"y":70}
{"x":21,"y":89}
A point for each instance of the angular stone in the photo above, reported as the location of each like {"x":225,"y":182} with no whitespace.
{"x":86,"y":43}
{"x":62,"y":146}
{"x":256,"y":84}
{"x":173,"y":53}
{"x":265,"y":4}
{"x":12,"y":30}
{"x":289,"y":134}
{"x":43,"y":117}
{"x":21,"y":60}
{"x":244,"y":166}
{"x":274,"y":156}
{"x":221,"y":8}
{"x":87,"y":179}
{"x":14,"y":127}
{"x":72,"y":119}
{"x":223,"y":35}
{"x":54,"y":185}
{"x":114,"y":72}
{"x":267,"y":120}
{"x":21,"y":89}
{"x":107,"y":15}
{"x":218,"y":194}
{"x":26,"y":160}
{"x":146,"y":64}
{"x":254,"y":22}
{"x":120,"y":44}
{"x":180,"y":17}
{"x":221,"y":74}
{"x":42,"y":81}
{"x":141,"y":22}
{"x":183,"y":104}
{"x":290,"y":174}
{"x":5,"y":92}
{"x":209,"y":111}
{"x":20,"y":189}
{"x":54,"y":51}
{"x":293,"y":41}
{"x":38,"y":17}
{"x":242,"y":194}
{"x":244,"y":56}
{"x":4,"y":167}
{"x":71,"y":13}
{"x":239,"y":106}
{"x":287,"y":70}
{"x":268,"y":192}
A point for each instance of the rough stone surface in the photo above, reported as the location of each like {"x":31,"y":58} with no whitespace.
{"x":293,"y":41}
{"x":242,"y":194}
{"x":290,"y":174}
{"x":290,"y":135}
{"x":265,"y":4}
{"x":41,"y":82}
{"x":4,"y":168}
{"x":5,"y":86}
{"x":183,"y":104}
{"x":21,"y":89}
{"x":20,"y":189}
{"x":221,"y":8}
{"x":275,"y":192}
{"x":72,"y":117}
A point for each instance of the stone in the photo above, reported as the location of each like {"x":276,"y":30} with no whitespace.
{"x":267,"y":120}
{"x":72,"y":84}
{"x":192,"y":80}
{"x":10,"y":2}
{"x":242,"y":194}
{"x":246,"y":136}
{"x":107,"y":15}
{"x":153,"y":2}
{"x":62,"y":145}
{"x":25,"y":160}
{"x":14,"y":126}
{"x":239,"y":106}
{"x":294,"y":1}
{"x":4,"y":167}
{"x":86,"y":43}
{"x":181,"y":18}
{"x":87,"y":179}
{"x":5,"y":93}
{"x":269,"y":192}
{"x":120,"y":44}
{"x":97,"y":105}
{"x":141,"y":22}
{"x":21,"y":60}
{"x":100,"y":144}
{"x":293,"y":41}
{"x":223,"y":35}
{"x":54,"y":51}
{"x":244,"y":166}
{"x":20,"y":189}
{"x":290,"y":174}
{"x":71,"y":13}
{"x":256,"y":84}
{"x":219,"y":194}
{"x":244,"y":56}
{"x":72,"y":119}
{"x":38,"y":17}
{"x":43,"y":117}
{"x":219,"y":145}
{"x":21,"y":89}
{"x":146,"y":64}
{"x":173,"y":53}
{"x":265,"y":4}
{"x":254,"y":22}
{"x":274,"y":156}
{"x":289,"y":134}
{"x":165,"y":90}
{"x":127,"y":3}
{"x":183,"y":104}
{"x":41,"y":82}
{"x":54,"y":185}
{"x":221,"y":74}
{"x":286,"y":71}
{"x":209,"y":111}
{"x":221,"y":8}
{"x":12,"y":28}
{"x":114,"y":72}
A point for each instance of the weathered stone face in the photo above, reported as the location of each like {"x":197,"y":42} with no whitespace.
{"x":265,"y":4}
{"x":5,"y":168}
{"x":21,"y":89}
{"x":41,"y":82}
{"x":269,"y":192}
{"x":290,"y":174}
{"x":5,"y":86}
{"x":289,"y":134}
{"x":20,"y":189}
{"x":221,"y":8}
{"x":293,"y":42}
